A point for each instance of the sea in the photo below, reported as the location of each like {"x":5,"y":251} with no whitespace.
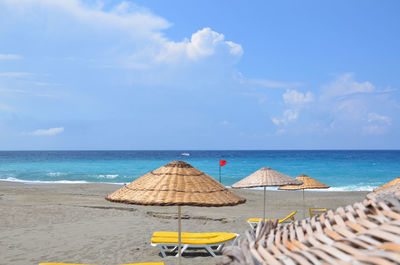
{"x":343,"y":170}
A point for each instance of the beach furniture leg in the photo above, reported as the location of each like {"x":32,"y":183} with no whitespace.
{"x":210,"y":251}
{"x":179,"y":236}
{"x":162,"y":251}
{"x":182,"y":250}
{"x":220,"y":247}
{"x":251,"y":225}
{"x":235,"y":239}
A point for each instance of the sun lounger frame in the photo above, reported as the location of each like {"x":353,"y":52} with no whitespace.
{"x":209,"y":247}
{"x":287,"y":219}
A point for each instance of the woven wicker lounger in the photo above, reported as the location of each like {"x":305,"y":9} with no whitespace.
{"x":167,"y":240}
{"x":254,"y":221}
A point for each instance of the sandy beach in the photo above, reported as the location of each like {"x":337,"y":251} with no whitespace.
{"x":74,"y":223}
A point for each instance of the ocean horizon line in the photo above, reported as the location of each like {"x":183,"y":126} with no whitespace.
{"x":187,"y":150}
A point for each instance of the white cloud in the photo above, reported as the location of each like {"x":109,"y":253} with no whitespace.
{"x":4,"y":107}
{"x":274,"y":84}
{"x":292,"y":97}
{"x":374,"y":129}
{"x":297,"y":101}
{"x":125,"y":35}
{"x":10,"y":57}
{"x":342,"y":106}
{"x":377,"y":124}
{"x":373,"y":117}
{"x":15,"y":74}
{"x":124,"y":16}
{"x":265,"y":82}
{"x":345,"y":85}
{"x":203,"y":43}
{"x":289,"y":115}
{"x":225,"y":123}
{"x":49,"y":132}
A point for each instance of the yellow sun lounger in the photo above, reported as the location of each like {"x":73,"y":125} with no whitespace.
{"x":167,"y":240}
{"x":62,"y":264}
{"x":315,"y":211}
{"x":187,"y":235}
{"x":254,"y":221}
{"x":151,"y":263}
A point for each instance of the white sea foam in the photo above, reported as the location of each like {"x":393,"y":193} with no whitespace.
{"x":341,"y":188}
{"x":109,"y":176}
{"x":354,"y":188}
{"x":44,"y":181}
{"x":361,"y":187}
{"x":56,"y":174}
{"x":11,"y":179}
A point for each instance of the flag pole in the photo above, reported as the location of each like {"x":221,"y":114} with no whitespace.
{"x":220,"y":173}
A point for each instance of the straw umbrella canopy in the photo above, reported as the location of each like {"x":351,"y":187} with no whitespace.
{"x":176,"y":184}
{"x":389,"y":184}
{"x":385,"y":192}
{"x":308,"y":183}
{"x":266,"y":177}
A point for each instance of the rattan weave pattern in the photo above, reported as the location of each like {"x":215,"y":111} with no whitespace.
{"x":266,"y":177}
{"x":383,"y":193}
{"x":389,"y":184}
{"x":308,"y":183}
{"x":177,"y":183}
{"x":362,"y":233}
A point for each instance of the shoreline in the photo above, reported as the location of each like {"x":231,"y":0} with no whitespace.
{"x":77,"y":182}
{"x":73,"y":223}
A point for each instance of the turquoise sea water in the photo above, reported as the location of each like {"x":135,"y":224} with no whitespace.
{"x":343,"y":170}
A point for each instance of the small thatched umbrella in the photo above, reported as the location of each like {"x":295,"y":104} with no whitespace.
{"x":389,"y":184}
{"x":266,"y":177}
{"x":176,"y":183}
{"x":308,"y":183}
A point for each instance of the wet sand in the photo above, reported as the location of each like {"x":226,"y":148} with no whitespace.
{"x":73,"y":223}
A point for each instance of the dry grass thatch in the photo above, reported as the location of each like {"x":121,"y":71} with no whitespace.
{"x":385,"y":192}
{"x":389,"y":184}
{"x":308,"y":183}
{"x":266,"y":177}
{"x":177,"y":183}
{"x":363,"y":233}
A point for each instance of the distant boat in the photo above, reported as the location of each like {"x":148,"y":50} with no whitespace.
{"x":185,"y":154}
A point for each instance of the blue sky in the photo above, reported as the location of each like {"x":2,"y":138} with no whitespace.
{"x":199,"y":74}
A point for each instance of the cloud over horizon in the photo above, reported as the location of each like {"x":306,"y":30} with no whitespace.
{"x":125,"y":35}
{"x":47,"y":132}
{"x":10,"y":57}
{"x":121,"y":75}
{"x":342,"y":105}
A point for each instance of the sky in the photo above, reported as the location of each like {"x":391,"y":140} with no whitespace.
{"x":205,"y":75}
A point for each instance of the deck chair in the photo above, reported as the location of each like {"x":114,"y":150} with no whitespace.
{"x":288,"y":219}
{"x":168,"y":241}
{"x":315,"y":211}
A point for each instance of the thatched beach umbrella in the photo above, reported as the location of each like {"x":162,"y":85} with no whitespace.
{"x":308,"y":183}
{"x":266,"y":177}
{"x":389,"y":184}
{"x":383,"y":192}
{"x":176,"y":184}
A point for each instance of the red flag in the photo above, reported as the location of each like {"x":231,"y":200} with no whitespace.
{"x":222,"y":163}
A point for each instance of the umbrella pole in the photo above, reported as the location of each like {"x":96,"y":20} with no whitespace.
{"x":179,"y":235}
{"x":304,"y":206}
{"x":264,"y":204}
